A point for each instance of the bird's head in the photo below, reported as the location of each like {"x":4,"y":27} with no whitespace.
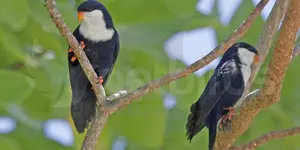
{"x":244,"y":52}
{"x":92,"y":11}
{"x":96,"y":22}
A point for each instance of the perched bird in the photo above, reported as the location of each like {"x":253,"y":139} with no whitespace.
{"x":222,"y":91}
{"x":100,"y":41}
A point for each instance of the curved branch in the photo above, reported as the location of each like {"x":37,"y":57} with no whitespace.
{"x":219,"y":50}
{"x":268,"y":137}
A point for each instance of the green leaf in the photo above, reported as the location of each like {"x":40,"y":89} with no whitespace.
{"x":34,"y":35}
{"x":175,"y":131}
{"x":14,"y":13}
{"x":10,"y":45}
{"x":8,"y":143}
{"x":15,"y":86}
{"x":37,"y":140}
{"x":239,"y":16}
{"x":132,"y":36}
{"x":51,"y":79}
{"x":141,"y":122}
{"x":57,"y":78}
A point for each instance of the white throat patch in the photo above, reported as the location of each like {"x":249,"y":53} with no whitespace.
{"x":93,"y":27}
{"x":246,"y":58}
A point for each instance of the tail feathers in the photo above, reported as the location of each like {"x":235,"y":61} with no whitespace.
{"x":212,"y":133}
{"x":193,"y":125}
{"x":83,"y":110}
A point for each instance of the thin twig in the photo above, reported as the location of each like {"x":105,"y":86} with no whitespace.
{"x":268,"y":137}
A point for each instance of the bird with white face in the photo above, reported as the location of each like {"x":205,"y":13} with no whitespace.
{"x":100,"y":41}
{"x":222,"y":91}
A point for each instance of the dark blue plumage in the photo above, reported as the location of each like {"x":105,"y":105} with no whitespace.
{"x":223,"y":90}
{"x":101,"y":42}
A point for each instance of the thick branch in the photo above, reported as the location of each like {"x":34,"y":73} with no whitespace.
{"x":270,"y":92}
{"x":268,"y":137}
{"x":80,"y":54}
{"x":265,"y":41}
{"x":283,"y":52}
{"x":95,"y":130}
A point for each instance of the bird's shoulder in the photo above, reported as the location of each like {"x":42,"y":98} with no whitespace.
{"x":224,"y":76}
{"x":227,"y":69}
{"x":229,"y":66}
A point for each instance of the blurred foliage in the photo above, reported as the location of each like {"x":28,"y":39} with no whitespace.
{"x":35,"y":84}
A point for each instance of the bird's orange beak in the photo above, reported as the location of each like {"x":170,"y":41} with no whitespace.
{"x":80,"y":16}
{"x":256,"y":59}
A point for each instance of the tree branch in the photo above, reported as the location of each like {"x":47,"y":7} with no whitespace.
{"x":283,"y":52}
{"x":219,"y":50}
{"x":271,"y":89}
{"x":265,"y":41}
{"x":80,"y":54}
{"x":268,"y":137}
{"x":106,"y":110}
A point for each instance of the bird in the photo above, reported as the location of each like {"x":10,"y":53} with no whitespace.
{"x":222,"y":92}
{"x":100,"y":41}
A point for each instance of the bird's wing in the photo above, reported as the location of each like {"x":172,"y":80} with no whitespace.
{"x":78,"y":78}
{"x":112,"y":49}
{"x":219,"y":83}
{"x":115,"y":55}
{"x":83,"y":106}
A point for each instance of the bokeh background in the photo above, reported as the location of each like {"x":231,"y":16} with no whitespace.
{"x":157,"y":37}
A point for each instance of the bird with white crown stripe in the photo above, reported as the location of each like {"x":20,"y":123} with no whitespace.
{"x":222,"y":91}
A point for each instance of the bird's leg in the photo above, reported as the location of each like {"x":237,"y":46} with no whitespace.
{"x":82,"y":45}
{"x":230,"y":112}
{"x":73,"y":58}
{"x":226,"y":117}
{"x":100,"y":78}
{"x":223,"y":119}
